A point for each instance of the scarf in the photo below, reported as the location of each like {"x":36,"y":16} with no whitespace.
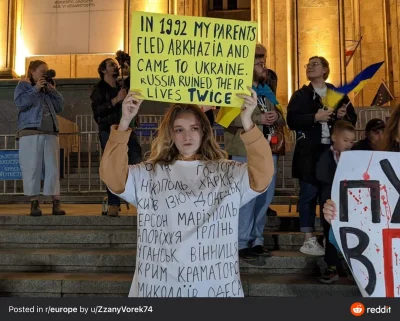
{"x":264,"y":90}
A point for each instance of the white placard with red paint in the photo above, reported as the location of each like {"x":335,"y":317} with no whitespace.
{"x":367,"y":228}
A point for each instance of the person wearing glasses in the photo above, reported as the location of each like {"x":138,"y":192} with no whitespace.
{"x":252,"y":216}
{"x":313,"y":122}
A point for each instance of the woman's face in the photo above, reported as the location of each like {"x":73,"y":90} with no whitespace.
{"x":39,"y":72}
{"x":315,"y":69}
{"x":187,"y":134}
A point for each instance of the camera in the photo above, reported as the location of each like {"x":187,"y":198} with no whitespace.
{"x":49,"y":75}
{"x":122,"y":58}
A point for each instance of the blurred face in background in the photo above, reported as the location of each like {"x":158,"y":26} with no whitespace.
{"x":343,"y":140}
{"x":39,"y":72}
{"x":315,"y":69}
{"x":260,"y":71}
{"x":375,"y":138}
{"x":111,"y":68}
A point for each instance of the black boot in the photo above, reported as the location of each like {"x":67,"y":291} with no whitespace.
{"x":35,"y":208}
{"x":57,"y":208}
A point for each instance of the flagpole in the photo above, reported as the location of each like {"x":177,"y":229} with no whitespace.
{"x":355,"y":95}
{"x":387,"y":88}
{"x":355,"y":49}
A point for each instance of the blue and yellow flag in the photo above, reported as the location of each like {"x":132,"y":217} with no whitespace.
{"x":361,"y":79}
{"x":226,"y":115}
{"x":333,"y":96}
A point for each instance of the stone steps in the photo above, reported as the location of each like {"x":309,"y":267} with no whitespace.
{"x":70,"y":260}
{"x":94,"y":255}
{"x":113,"y":238}
{"x":111,"y":284}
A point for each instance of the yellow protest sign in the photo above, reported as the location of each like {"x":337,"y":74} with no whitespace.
{"x":192,"y":60}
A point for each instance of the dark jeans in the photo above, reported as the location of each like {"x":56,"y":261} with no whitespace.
{"x":307,"y":206}
{"x":331,"y":254}
{"x":134,"y":157}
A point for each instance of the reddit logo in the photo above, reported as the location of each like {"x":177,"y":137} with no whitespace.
{"x":357,"y":309}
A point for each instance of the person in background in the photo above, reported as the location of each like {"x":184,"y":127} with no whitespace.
{"x":107,"y":96}
{"x":313,"y":122}
{"x":390,"y":143}
{"x":343,"y":136}
{"x":184,"y":154}
{"x":39,"y":102}
{"x":373,"y":135}
{"x":252,"y":216}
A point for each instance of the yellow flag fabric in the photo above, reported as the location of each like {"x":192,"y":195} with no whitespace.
{"x":332,"y":98}
{"x":360,"y":86}
{"x":226,"y":115}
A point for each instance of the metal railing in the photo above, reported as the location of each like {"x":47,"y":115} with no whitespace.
{"x":365,"y":115}
{"x":82,"y":154}
{"x":81,"y":159}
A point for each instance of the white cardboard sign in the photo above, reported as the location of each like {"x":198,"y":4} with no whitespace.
{"x":366,"y":191}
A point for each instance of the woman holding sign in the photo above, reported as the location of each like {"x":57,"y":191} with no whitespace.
{"x":188,"y":197}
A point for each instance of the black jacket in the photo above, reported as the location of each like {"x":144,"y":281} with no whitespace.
{"x":105,"y":114}
{"x":325,"y":173}
{"x":303,"y":106}
{"x":362,"y":144}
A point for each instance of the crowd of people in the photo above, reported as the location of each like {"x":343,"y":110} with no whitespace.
{"x":253,"y":144}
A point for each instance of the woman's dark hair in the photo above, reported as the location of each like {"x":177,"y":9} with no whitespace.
{"x":103,"y":66}
{"x":391,"y":139}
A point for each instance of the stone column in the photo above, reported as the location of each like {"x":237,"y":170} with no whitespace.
{"x":318,"y":35}
{"x":372,"y":48}
{"x":394,"y":47}
{"x":7,"y":38}
{"x":4,"y":7}
{"x":259,"y":13}
{"x":291,"y":49}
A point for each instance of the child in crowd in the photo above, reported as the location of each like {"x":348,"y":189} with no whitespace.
{"x":343,"y":137}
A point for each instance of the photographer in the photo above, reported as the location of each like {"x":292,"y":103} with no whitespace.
{"x":107,"y":97}
{"x":38,"y":102}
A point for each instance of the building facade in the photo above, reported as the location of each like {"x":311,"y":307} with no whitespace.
{"x":292,"y":31}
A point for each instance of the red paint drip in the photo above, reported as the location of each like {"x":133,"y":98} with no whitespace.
{"x":350,"y":192}
{"x":365,"y":208}
{"x":385,"y":201}
{"x":397,"y":258}
{"x":366,"y":175}
{"x":366,"y":276}
{"x":377,"y":248}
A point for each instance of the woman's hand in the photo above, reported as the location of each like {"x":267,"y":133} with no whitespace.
{"x":51,"y":87}
{"x":249,"y":104}
{"x":40,"y":83}
{"x":269,"y":118}
{"x":130,"y":108}
{"x":329,"y":211}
